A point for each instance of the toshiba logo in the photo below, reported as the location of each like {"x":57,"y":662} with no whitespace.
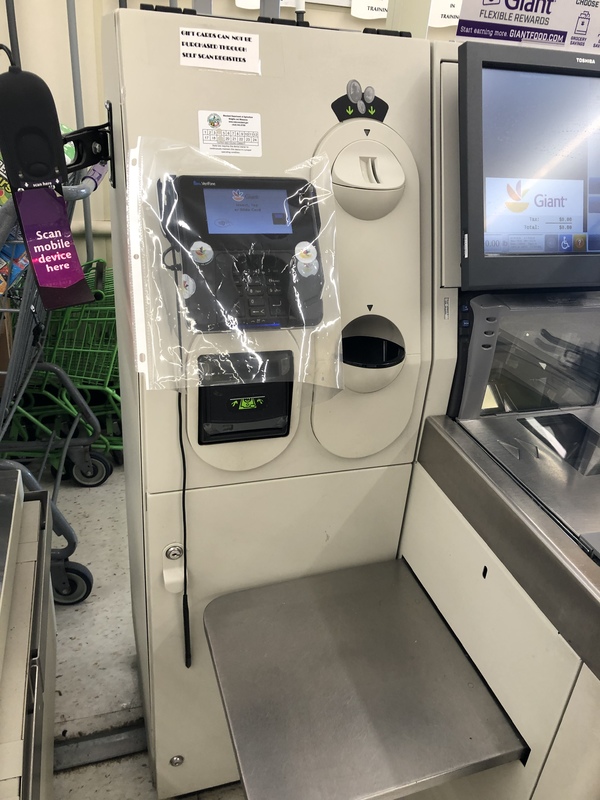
{"x":586,"y":60}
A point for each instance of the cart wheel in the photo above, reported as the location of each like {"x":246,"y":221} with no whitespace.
{"x":117,"y":456}
{"x":101,"y":471}
{"x":80,"y":585}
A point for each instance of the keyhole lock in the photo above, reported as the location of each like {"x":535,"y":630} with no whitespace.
{"x":173,"y":568}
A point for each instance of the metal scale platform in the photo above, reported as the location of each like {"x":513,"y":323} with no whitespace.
{"x":348,"y":686}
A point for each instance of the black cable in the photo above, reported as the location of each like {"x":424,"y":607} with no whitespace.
{"x":186,"y":609}
{"x":8,"y":52}
{"x":13,"y":34}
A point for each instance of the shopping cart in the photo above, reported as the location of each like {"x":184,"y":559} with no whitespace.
{"x":83,"y":341}
{"x":71,"y":582}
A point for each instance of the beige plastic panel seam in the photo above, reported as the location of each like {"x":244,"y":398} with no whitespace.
{"x":12,"y":507}
{"x":573,"y":767}
{"x":446,"y":227}
{"x":30,"y":523}
{"x":10,"y":789}
{"x":13,"y":684}
{"x":449,"y":176}
{"x":11,"y":759}
{"x":27,"y":552}
{"x":526,"y":663}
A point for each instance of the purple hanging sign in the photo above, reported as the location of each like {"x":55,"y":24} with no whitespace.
{"x":52,"y":253}
{"x":48,"y":237}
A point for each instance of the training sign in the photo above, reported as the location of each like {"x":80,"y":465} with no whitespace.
{"x":443,"y":13}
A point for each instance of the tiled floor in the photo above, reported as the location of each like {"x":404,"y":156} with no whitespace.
{"x":96,"y":682}
{"x":96,"y":686}
{"x":124,"y":779}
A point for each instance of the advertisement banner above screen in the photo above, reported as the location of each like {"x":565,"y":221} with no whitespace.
{"x":565,"y":24}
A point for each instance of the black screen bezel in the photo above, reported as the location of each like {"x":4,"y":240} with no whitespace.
{"x":535,"y":271}
{"x":186,"y":199}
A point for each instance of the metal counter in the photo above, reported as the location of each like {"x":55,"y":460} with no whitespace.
{"x":555,"y":456}
{"x":561,"y":579}
{"x":349,"y":686}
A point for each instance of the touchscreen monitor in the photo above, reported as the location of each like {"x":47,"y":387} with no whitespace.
{"x":530,"y":168}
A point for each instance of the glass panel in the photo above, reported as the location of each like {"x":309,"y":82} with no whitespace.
{"x":543,"y":360}
{"x":570,"y":438}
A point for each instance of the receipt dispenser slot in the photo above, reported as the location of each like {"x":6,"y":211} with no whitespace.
{"x":251,"y":398}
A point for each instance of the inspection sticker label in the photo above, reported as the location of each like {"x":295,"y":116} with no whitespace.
{"x":201,"y":47}
{"x":230,"y":133}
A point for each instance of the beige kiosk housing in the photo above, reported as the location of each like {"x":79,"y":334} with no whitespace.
{"x":334,"y":493}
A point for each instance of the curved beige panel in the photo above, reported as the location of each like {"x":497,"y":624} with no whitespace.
{"x":354,"y":425}
{"x":379,"y":267}
{"x":368,"y":179}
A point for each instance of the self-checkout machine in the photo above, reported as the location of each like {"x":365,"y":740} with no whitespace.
{"x":278,"y":470}
{"x":499,"y":528}
{"x":503,"y":509}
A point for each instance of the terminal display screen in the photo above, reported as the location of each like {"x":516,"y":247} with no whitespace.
{"x":247,"y":211}
{"x":529,"y":140}
{"x":541,"y":163}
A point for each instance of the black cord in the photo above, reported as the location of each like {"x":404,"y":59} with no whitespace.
{"x":171,"y":251}
{"x":8,"y":52}
{"x":186,"y":609}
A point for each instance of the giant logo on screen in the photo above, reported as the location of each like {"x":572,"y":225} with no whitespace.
{"x":519,"y":205}
{"x":525,"y":215}
{"x":516,"y":194}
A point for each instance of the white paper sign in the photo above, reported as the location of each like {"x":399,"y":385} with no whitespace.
{"x":212,"y":49}
{"x":255,"y":4}
{"x":444,"y":13}
{"x":564,"y":24}
{"x":230,"y":133}
{"x":369,"y":9}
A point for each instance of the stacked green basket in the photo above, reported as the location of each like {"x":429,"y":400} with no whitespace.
{"x":83,"y":341}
